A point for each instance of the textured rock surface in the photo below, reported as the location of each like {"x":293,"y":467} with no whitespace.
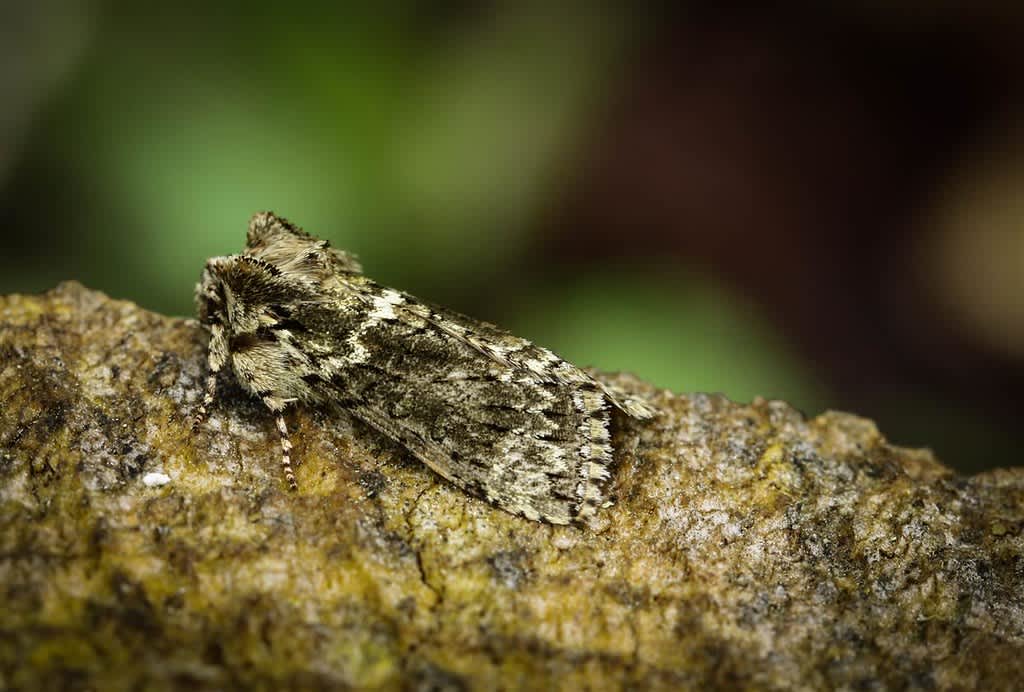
{"x":748,"y":546}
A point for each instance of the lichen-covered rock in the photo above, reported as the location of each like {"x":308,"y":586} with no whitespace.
{"x":748,"y":547}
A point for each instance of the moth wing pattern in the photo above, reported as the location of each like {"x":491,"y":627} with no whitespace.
{"x":496,"y":415}
{"x":535,"y":446}
{"x":520,"y":354}
{"x":504,"y":419}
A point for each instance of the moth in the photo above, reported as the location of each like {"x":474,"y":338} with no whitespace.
{"x":297,"y":322}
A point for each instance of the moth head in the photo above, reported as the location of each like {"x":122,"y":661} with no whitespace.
{"x":239,"y":292}
{"x":211,"y":301}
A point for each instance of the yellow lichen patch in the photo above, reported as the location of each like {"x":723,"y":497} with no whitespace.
{"x":777,"y":481}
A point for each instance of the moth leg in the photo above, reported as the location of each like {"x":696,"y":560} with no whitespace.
{"x":286,"y":443}
{"x":210,"y":391}
{"x":216,"y":356}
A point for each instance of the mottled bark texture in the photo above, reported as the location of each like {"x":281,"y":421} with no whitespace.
{"x":748,"y":547}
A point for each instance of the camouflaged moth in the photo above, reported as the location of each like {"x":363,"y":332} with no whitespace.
{"x":506,"y":420}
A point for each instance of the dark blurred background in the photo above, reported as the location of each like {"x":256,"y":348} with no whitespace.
{"x":820,"y":205}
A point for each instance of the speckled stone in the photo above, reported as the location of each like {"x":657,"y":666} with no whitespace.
{"x":748,"y":547}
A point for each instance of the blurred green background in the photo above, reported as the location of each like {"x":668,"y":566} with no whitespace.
{"x":815,"y":205}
